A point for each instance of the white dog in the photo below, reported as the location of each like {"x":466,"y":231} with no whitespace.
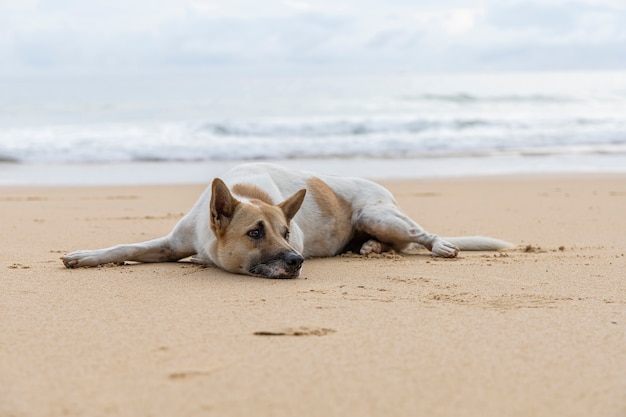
{"x":264,"y":220}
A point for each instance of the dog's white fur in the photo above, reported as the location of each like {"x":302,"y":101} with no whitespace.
{"x":335,"y":211}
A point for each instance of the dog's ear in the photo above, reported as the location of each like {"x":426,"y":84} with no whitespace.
{"x":291,"y":205}
{"x":223,"y":205}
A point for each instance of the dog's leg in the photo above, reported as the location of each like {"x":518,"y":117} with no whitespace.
{"x":201,"y":261}
{"x":373,"y":246}
{"x":157,"y":250}
{"x":386,"y":223}
{"x":177,"y":245}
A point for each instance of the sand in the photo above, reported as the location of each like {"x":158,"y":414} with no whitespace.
{"x":534,"y":331}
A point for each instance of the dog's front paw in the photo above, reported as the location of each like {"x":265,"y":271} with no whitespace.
{"x":201,"y":261}
{"x":444,"y":249}
{"x":81,"y":258}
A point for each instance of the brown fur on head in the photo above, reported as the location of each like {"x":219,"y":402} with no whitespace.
{"x":253,"y":237}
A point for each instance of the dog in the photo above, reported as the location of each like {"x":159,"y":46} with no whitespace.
{"x":264,"y":220}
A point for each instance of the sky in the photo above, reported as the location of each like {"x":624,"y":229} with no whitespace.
{"x":321,"y":35}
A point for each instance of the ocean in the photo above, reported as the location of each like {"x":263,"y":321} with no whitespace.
{"x":177,"y":128}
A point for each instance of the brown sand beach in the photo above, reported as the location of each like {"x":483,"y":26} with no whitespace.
{"x":539,"y":330}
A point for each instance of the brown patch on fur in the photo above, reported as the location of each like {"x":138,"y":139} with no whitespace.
{"x":332,"y":207}
{"x":252,"y":192}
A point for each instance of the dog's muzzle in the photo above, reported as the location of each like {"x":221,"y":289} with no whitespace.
{"x":286,"y":265}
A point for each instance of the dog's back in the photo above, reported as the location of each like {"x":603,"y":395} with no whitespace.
{"x":330,"y":210}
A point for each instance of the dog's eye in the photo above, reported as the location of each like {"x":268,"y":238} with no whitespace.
{"x":286,"y":234}
{"x":255,"y":233}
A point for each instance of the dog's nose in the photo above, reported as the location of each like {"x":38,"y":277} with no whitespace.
{"x":294,"y":260}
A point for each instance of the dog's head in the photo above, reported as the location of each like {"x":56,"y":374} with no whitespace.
{"x":253,"y":237}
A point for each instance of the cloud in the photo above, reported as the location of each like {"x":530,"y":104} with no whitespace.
{"x":571,"y":23}
{"x":453,"y":21}
{"x":367,"y":34}
{"x":298,"y":5}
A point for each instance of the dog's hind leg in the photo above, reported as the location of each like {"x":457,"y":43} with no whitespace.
{"x":387,"y":224}
{"x":373,"y":246}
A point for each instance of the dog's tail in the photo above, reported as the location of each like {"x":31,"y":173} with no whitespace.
{"x":479,"y":243}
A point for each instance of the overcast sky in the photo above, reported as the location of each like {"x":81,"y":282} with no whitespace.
{"x":395,"y":35}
